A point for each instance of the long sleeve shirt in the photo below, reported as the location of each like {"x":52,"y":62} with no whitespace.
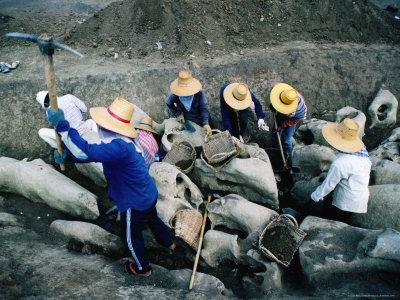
{"x":226,"y":109}
{"x":348,"y":176}
{"x":129,"y":182}
{"x":73,"y":108}
{"x":198,"y":112}
{"x":299,"y":114}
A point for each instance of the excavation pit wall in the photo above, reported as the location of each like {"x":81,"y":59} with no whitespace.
{"x":328,"y":76}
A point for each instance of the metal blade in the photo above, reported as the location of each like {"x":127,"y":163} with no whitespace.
{"x":22,"y":36}
{"x":57,"y":45}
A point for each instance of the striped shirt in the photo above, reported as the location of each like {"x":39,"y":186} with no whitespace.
{"x":149,"y":145}
{"x":301,"y":111}
{"x":73,"y":108}
{"x":362,"y":153}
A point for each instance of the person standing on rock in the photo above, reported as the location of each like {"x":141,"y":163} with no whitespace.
{"x":146,"y":139}
{"x":348,"y":175}
{"x":290,"y":109}
{"x":187,"y":101}
{"x":129,"y":183}
{"x":73,"y":108}
{"x":235,"y":100}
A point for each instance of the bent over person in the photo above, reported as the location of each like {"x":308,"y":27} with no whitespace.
{"x":187,"y":101}
{"x":129,"y":183}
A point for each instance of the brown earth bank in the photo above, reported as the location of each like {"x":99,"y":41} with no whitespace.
{"x":336,"y":53}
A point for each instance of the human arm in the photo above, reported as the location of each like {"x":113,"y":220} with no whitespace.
{"x":78,"y":103}
{"x":203,"y":106}
{"x":258,"y":108}
{"x":226,"y":121}
{"x":335,"y":174}
{"x":170,"y":102}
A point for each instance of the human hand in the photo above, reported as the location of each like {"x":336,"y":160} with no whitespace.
{"x":54,"y":116}
{"x":181,"y":118}
{"x":262,"y":125}
{"x":57,"y":157}
{"x":207,"y":130}
{"x":278,"y":128}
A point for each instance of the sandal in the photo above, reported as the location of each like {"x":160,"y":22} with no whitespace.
{"x":131,"y":268}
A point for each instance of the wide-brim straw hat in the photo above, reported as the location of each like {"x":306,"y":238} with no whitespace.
{"x":284,"y":98}
{"x":185,"y":84}
{"x":146,"y":124}
{"x":116,"y":117}
{"x":237,"y":96}
{"x":343,"y":136}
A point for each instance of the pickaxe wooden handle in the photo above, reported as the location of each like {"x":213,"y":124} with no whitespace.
{"x":47,"y":46}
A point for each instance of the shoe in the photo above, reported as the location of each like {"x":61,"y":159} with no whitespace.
{"x":132,"y":268}
{"x":4,"y":68}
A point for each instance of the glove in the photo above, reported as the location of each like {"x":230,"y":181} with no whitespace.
{"x":207,"y":130}
{"x":181,"y":118}
{"x":57,"y":157}
{"x":54,"y":116}
{"x":262,"y":125}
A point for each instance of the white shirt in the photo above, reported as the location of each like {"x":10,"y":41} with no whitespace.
{"x":349,"y":176}
{"x":73,"y":108}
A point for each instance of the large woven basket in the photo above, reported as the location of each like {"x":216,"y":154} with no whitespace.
{"x":281,"y":238}
{"x":187,"y":224}
{"x":218,"y":147}
{"x":182,"y":155}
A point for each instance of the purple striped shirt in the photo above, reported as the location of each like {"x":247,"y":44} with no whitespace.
{"x":301,"y":111}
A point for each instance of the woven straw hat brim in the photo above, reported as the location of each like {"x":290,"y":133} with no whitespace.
{"x":179,"y":90}
{"x":101,"y":116}
{"x":145,"y":127}
{"x":232,"y":101}
{"x":276,"y":101}
{"x":335,"y":139}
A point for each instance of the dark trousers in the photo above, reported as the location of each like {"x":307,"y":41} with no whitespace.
{"x":236,"y":122}
{"x":132,"y":225}
{"x":286,"y":135}
{"x":325,"y":209}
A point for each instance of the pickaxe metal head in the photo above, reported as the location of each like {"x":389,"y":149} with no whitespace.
{"x":46,"y":44}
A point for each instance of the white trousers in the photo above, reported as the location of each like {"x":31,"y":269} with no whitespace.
{"x":49,"y":135}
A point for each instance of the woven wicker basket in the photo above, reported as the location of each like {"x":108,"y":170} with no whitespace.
{"x":182,"y":155}
{"x":281,"y":238}
{"x":187,"y":224}
{"x":218,"y":147}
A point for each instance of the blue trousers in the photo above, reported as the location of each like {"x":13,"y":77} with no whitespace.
{"x":286,"y":135}
{"x":132,"y":225}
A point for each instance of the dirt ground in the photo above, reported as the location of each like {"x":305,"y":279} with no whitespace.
{"x":184,"y":29}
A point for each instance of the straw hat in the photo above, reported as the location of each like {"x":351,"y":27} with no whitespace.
{"x":185,"y":84}
{"x":237,"y":96}
{"x":41,"y":96}
{"x":116,"y":117}
{"x":284,"y":98}
{"x":146,"y":124}
{"x":343,"y":136}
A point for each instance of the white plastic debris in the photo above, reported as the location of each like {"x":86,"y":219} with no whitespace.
{"x":115,"y":55}
{"x":279,"y":25}
{"x":397,"y":17}
{"x":38,"y":217}
{"x":21,"y":213}
{"x":208,"y":43}
{"x":262,"y":19}
{"x":159,"y":46}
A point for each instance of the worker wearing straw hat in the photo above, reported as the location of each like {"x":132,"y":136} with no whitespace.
{"x":187,"y":101}
{"x":348,"y":175}
{"x":291,"y":109}
{"x":146,"y":139}
{"x":235,"y":100}
{"x":129,"y":183}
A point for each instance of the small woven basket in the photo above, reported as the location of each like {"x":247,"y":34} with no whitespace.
{"x":182,"y":155}
{"x":187,"y":224}
{"x":218,"y":147}
{"x":281,"y":238}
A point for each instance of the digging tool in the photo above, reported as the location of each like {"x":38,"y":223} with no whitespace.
{"x":46,"y":47}
{"x":285,"y":166}
{"x":189,"y":127}
{"x":200,"y":244}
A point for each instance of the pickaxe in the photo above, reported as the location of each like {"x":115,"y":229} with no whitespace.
{"x":46,"y":47}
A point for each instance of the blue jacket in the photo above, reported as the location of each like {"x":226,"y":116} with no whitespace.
{"x":198,"y":112}
{"x":226,"y":110}
{"x":129,"y":182}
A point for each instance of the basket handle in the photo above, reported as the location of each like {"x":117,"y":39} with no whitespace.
{"x":290,"y":218}
{"x":172,"y":219}
{"x":212,"y":131}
